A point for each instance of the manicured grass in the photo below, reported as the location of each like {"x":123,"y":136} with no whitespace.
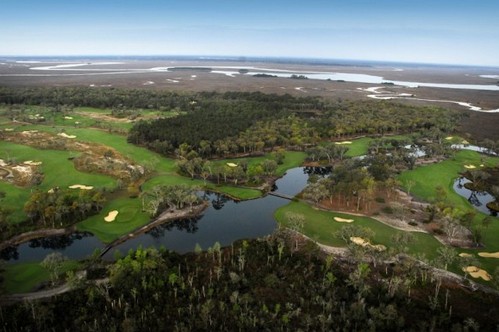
{"x":292,"y":159}
{"x":58,"y":171}
{"x":320,"y":226}
{"x":24,"y":277}
{"x":129,"y":218}
{"x":235,"y":192}
{"x":358,"y":147}
{"x":427,"y":178}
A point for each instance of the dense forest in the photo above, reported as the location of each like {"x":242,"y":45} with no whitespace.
{"x":257,"y":285}
{"x":222,"y":124}
{"x":231,"y":126}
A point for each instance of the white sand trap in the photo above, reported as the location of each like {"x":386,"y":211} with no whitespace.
{"x":81,"y":186}
{"x":29,"y":132}
{"x":449,"y":138}
{"x":68,"y":117}
{"x":361,"y":242}
{"x":482,"y":165}
{"x":111,"y":216}
{"x":231,"y":165}
{"x":489,"y":254}
{"x":66,"y":135}
{"x":32,"y":163}
{"x":338,"y":219}
{"x":476,"y":272}
{"x":9,"y":129}
{"x":344,"y":142}
{"x":464,"y":254}
{"x":469,"y":166}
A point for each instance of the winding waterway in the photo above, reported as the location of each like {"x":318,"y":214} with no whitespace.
{"x":225,"y":221}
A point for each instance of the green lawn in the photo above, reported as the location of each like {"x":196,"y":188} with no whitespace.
{"x":24,"y":277}
{"x":358,"y":147}
{"x":427,"y":178}
{"x":320,"y":226}
{"x":129,"y":218}
{"x":57,"y":171}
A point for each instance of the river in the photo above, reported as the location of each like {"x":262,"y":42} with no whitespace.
{"x":224,"y":221}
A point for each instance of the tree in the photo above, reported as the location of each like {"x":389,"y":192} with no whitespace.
{"x":53,"y":262}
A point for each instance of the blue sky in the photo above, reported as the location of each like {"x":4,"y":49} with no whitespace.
{"x":431,"y":31}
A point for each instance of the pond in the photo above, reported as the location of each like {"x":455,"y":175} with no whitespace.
{"x":478,"y":199}
{"x":224,"y":221}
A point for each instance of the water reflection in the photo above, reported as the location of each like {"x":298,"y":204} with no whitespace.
{"x":479,"y":199}
{"x":224,"y":221}
{"x":76,"y":245}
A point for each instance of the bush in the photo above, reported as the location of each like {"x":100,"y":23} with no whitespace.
{"x":387,"y":210}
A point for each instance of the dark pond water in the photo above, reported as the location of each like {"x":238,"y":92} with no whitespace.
{"x":224,"y":221}
{"x":478,"y":199}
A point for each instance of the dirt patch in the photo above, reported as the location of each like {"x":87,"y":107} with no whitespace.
{"x":111,"y":216}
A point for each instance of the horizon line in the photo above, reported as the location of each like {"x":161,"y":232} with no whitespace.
{"x":242,"y":58}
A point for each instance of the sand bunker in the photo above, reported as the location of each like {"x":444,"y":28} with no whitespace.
{"x":111,"y":216}
{"x":476,"y":272}
{"x":338,"y":219}
{"x":32,"y":163}
{"x":29,"y":132}
{"x":68,"y":117}
{"x":361,"y":242}
{"x":489,"y":254}
{"x":9,"y":129}
{"x":469,"y":166}
{"x":464,"y":254}
{"x":66,"y":135}
{"x":449,"y":138}
{"x":231,"y":165}
{"x":344,"y":142}
{"x":81,"y":186}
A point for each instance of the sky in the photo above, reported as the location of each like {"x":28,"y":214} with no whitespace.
{"x":424,"y":31}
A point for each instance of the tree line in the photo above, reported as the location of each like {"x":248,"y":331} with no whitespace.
{"x":256,"y":285}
